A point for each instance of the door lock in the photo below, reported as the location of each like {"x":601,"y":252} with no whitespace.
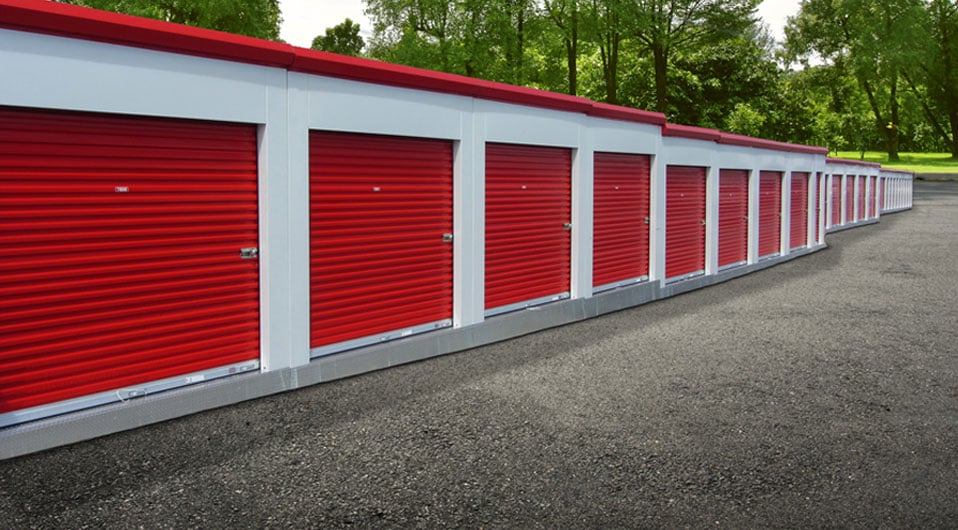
{"x":249,"y":253}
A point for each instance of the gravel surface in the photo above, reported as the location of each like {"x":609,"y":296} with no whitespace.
{"x":819,"y":393}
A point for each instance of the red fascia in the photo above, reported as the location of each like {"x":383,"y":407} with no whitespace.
{"x":54,"y":18}
{"x":687,"y":131}
{"x":370,"y":71}
{"x":899,"y":171}
{"x":851,"y":162}
{"x":615,"y":112}
{"x":760,"y":143}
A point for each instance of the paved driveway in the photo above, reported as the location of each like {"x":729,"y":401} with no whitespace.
{"x":821,"y":392}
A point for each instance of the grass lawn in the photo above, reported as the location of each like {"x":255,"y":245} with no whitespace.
{"x":917,"y":162}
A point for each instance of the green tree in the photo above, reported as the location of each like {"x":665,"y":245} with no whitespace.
{"x":480,"y":38}
{"x":609,"y":20}
{"x":566,"y":15}
{"x":665,"y":27}
{"x":935,"y":83}
{"x":874,"y":40}
{"x":707,"y":84}
{"x":342,"y":38}
{"x":255,"y":18}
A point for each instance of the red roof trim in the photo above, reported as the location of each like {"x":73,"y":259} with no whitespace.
{"x":687,"y":131}
{"x":899,"y":171}
{"x":851,"y":162}
{"x":615,"y":112}
{"x":748,"y":141}
{"x":81,"y":22}
{"x":359,"y":69}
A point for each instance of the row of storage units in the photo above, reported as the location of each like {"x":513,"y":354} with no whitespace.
{"x":206,"y":218}
{"x":895,"y":190}
{"x":855,"y":193}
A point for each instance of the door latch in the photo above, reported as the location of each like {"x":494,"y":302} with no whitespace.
{"x":567,"y":226}
{"x":447,"y":238}
{"x":249,"y":253}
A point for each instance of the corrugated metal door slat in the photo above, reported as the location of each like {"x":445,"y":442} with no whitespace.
{"x":621,"y":209}
{"x":528,"y":203}
{"x":798,"y":227}
{"x":121,"y":240}
{"x":733,"y":217}
{"x":836,"y":200}
{"x":684,"y":221}
{"x":769,"y":213}
{"x":379,"y":206}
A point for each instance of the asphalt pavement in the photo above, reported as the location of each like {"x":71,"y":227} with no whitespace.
{"x":822,"y":392}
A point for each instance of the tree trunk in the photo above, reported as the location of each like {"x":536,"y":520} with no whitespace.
{"x":876,"y":111}
{"x":572,"y":54}
{"x":953,"y":117}
{"x":661,"y":57}
{"x":609,"y":51}
{"x":891,"y":129}
{"x":520,"y":46}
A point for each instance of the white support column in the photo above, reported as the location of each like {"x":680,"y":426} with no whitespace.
{"x":785,"y":213}
{"x":469,"y":202}
{"x":711,"y":219}
{"x":583,"y":160}
{"x":843,"y":193}
{"x":657,"y":215}
{"x":857,"y":193}
{"x":753,"y":198}
{"x":827,"y":191}
{"x":284,"y":226}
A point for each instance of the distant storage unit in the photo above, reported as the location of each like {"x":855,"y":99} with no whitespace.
{"x":836,"y":201}
{"x":852,"y":181}
{"x":733,"y":217}
{"x":205,"y":218}
{"x":798,"y":230}
{"x":620,"y":219}
{"x":770,"y":214}
{"x":895,"y":191}
{"x":684,"y":222}
{"x":380,"y":228}
{"x":528,"y":224}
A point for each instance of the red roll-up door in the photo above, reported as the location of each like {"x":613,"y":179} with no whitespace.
{"x":769,"y":213}
{"x":798,"y":227}
{"x":528,"y":208}
{"x":379,"y":264}
{"x":684,"y":221}
{"x":733,"y":217}
{"x":873,"y":183}
{"x":620,"y":219}
{"x":819,"y":206}
{"x":836,"y":200}
{"x":850,"y":199}
{"x":121,"y":243}
{"x":861,"y":197}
